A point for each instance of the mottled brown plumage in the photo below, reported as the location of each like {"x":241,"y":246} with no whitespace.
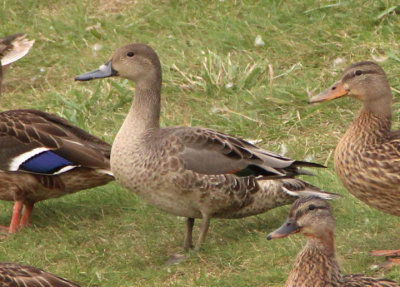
{"x":317,"y":265}
{"x":17,"y":275}
{"x":367,"y":158}
{"x":43,"y":156}
{"x":186,"y":171}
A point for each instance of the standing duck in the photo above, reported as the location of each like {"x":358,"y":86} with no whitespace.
{"x":17,"y":275}
{"x":43,"y":156}
{"x":367,"y":158}
{"x":316,"y":264}
{"x":191,"y":171}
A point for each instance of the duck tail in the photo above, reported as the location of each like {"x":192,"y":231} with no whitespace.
{"x":307,"y":164}
{"x":299,"y":188}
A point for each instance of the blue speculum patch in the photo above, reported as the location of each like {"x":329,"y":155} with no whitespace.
{"x":45,"y":162}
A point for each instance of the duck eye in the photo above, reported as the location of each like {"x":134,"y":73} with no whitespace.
{"x":358,"y":72}
{"x":130,"y":54}
{"x":311,"y":207}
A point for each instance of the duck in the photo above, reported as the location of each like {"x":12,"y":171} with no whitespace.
{"x":317,"y":264}
{"x":192,"y":172}
{"x":367,"y":157}
{"x":19,"y":275}
{"x":42,"y":155}
{"x":13,"y":48}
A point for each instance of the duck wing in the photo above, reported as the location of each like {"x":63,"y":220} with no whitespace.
{"x":359,"y":280}
{"x":207,"y":151}
{"x":395,"y":135}
{"x":12,"y":274}
{"x":42,"y":143}
{"x":14,"y":47}
{"x":384,"y":159}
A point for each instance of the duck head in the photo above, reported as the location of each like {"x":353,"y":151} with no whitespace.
{"x":365,"y":81}
{"x":311,"y":216}
{"x":136,"y":62}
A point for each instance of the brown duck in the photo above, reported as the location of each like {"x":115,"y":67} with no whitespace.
{"x":192,"y":172}
{"x":17,"y":275}
{"x":43,"y":156}
{"x":367,"y":158}
{"x":316,"y":264}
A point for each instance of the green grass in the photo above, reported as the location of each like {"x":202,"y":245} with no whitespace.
{"x":214,"y":76}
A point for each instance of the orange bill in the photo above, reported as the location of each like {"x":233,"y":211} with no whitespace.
{"x":336,"y":91}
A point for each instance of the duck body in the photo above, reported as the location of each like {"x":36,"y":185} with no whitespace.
{"x":155,"y":163}
{"x":317,"y":265}
{"x":189,"y":171}
{"x":18,"y":275}
{"x":43,"y":156}
{"x":367,"y":160}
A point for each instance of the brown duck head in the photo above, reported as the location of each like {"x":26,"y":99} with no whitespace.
{"x":311,"y":216}
{"x":364,"y":81}
{"x":136,"y":62}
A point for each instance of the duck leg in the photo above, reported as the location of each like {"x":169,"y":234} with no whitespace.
{"x":16,"y":217}
{"x":188,"y":244}
{"x":392,"y":257}
{"x":16,"y":220}
{"x":205,"y":224}
{"x":27,"y":215}
{"x":385,"y":253}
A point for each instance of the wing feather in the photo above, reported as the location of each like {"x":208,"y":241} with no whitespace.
{"x":23,"y":131}
{"x":17,"y":275}
{"x":207,"y":151}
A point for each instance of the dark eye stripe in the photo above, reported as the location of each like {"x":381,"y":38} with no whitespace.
{"x":352,"y":74}
{"x":302,"y":212}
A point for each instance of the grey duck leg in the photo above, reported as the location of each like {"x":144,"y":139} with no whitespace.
{"x":205,"y":224}
{"x":188,"y":236}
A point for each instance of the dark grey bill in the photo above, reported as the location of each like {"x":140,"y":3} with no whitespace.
{"x":289,"y":227}
{"x":103,"y":72}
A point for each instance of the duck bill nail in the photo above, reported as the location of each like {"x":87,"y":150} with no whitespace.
{"x":104,"y":71}
{"x":336,"y":91}
{"x":289,"y":227}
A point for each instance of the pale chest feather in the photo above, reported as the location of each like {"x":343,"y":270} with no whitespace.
{"x":155,"y":174}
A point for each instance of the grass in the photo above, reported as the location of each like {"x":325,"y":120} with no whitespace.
{"x":214,"y":76}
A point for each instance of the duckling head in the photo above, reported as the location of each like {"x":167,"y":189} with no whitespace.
{"x":365,"y":81}
{"x":311,"y":216}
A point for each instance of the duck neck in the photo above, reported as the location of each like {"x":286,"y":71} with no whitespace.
{"x":316,"y":263}
{"x":380,"y":107}
{"x":373,"y":123}
{"x":145,"y":111}
{"x":325,"y":244}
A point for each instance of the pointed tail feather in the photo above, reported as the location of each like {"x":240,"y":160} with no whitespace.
{"x":304,"y":172}
{"x":300,"y":188}
{"x":308,"y":164}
